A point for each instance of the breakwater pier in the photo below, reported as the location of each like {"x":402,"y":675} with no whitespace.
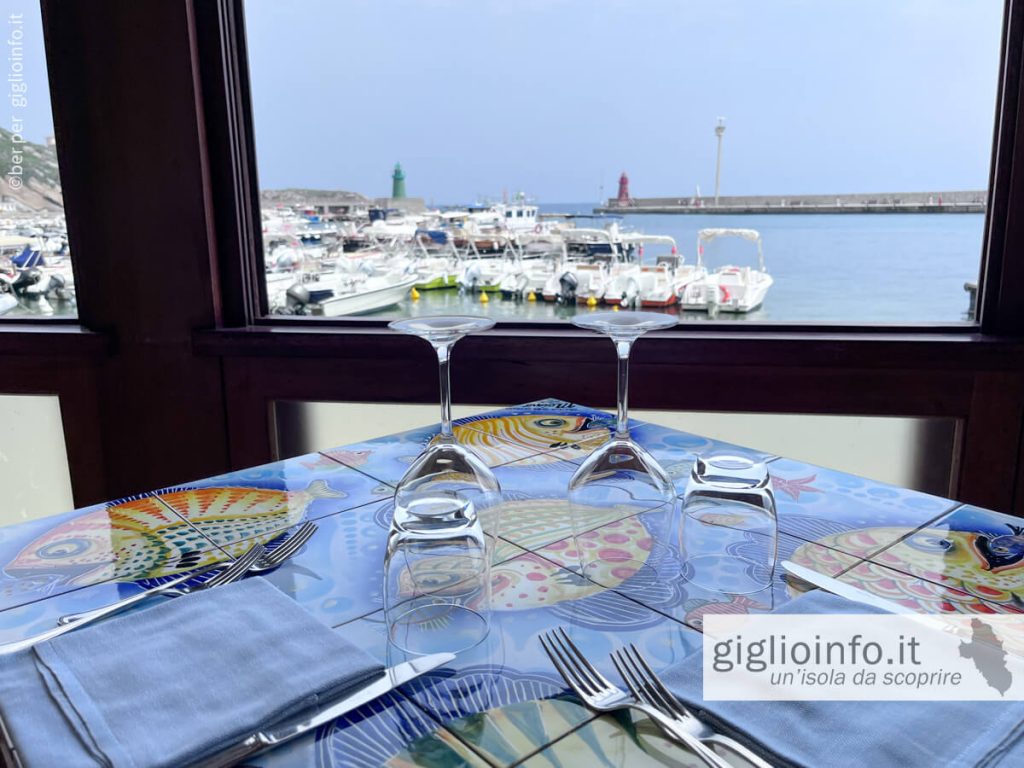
{"x":882,"y":202}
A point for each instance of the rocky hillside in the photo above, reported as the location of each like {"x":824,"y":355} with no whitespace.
{"x":40,"y":179}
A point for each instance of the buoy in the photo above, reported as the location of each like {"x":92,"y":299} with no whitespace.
{"x":531,"y":296}
{"x":414,"y":294}
{"x":615,"y":307}
{"x":591,"y":302}
{"x":483,"y":297}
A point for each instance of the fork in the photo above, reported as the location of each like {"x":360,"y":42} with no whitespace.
{"x":267,"y":561}
{"x":233,"y":572}
{"x":602,"y":696}
{"x":645,"y":684}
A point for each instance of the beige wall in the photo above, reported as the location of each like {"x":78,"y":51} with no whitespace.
{"x":914,"y":453}
{"x":34,"y":477}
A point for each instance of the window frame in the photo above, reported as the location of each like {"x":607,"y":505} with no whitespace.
{"x":225,"y":65}
{"x":221,"y":364}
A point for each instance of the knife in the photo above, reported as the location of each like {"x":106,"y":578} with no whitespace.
{"x":388,"y":680}
{"x":850,"y":592}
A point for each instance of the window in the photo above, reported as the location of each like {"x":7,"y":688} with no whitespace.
{"x":36,"y":279}
{"x":845,"y":184}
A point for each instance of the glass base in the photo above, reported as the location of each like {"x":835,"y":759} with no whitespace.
{"x":727,"y":574}
{"x":438,"y":628}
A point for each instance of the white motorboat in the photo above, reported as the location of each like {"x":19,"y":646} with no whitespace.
{"x":597,"y":260}
{"x":729,"y":288}
{"x":652,"y":285}
{"x":368,"y":295}
{"x":484,"y":272}
{"x":337,"y":294}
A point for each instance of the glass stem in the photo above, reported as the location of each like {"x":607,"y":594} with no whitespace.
{"x":622,"y":425}
{"x":446,"y":391}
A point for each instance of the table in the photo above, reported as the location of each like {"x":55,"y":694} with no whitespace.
{"x":501,"y":703}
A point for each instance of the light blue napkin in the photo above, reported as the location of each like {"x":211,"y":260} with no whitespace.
{"x":176,"y":682}
{"x":843,"y":734}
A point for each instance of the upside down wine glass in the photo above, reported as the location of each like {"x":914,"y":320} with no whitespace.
{"x":620,"y":479}
{"x":437,"y":563}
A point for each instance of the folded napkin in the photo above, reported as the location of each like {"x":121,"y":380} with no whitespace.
{"x":859,"y":733}
{"x":174,"y":683}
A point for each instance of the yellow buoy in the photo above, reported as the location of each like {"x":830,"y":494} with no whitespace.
{"x":615,"y":307}
{"x":414,"y":294}
{"x":483,"y":297}
{"x":531,"y":296}
{"x":591,"y":302}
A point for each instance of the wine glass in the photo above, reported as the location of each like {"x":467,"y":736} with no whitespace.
{"x":437,"y":565}
{"x":620,"y":478}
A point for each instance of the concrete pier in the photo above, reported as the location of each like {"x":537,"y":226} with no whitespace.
{"x":882,"y":202}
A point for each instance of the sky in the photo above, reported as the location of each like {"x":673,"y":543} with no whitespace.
{"x":556,"y":98}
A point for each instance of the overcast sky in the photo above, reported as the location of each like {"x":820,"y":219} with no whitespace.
{"x":557,"y":97}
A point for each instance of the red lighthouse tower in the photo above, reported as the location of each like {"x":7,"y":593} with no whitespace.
{"x":623,"y":200}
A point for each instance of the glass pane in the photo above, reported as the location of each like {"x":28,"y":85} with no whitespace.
{"x":35,"y":260}
{"x":846,"y":181}
{"x":34,"y":472}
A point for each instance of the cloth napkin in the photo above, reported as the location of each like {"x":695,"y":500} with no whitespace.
{"x":859,"y":733}
{"x":176,"y":682}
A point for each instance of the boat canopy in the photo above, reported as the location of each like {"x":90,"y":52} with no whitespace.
{"x":707,"y":235}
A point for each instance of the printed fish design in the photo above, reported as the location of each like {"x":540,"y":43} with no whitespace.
{"x":141,"y":538}
{"x":612,"y":553}
{"x":344,"y":455}
{"x":987,"y":564}
{"x":537,"y":433}
{"x":230,"y":514}
{"x":125,"y":540}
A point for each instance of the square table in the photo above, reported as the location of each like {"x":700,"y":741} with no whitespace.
{"x":501,"y":703}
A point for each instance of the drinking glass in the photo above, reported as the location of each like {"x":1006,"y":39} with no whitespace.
{"x":437,"y":563}
{"x":620,"y":478}
{"x":730,"y":530}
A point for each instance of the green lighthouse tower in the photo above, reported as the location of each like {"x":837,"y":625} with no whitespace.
{"x":398,"y":183}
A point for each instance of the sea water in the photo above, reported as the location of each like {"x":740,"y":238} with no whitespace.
{"x":844,"y":268}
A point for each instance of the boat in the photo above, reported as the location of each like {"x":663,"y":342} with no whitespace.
{"x":652,"y":285}
{"x":730,"y":288}
{"x":435,"y":259}
{"x":341,"y":294}
{"x":537,"y":258}
{"x":483,"y":271}
{"x":595,"y":260}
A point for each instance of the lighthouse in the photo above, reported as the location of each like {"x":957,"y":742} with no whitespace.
{"x":623,"y":200}
{"x":398,"y":182}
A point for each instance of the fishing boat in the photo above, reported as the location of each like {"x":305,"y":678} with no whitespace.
{"x":731,"y":288}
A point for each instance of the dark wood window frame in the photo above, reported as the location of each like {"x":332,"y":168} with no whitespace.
{"x":179,"y":370}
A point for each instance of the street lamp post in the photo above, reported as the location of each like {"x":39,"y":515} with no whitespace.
{"x":719,"y":132}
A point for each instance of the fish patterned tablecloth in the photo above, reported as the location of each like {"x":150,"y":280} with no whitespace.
{"x":502,"y":703}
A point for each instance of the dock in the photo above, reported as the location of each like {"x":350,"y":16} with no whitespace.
{"x":972,"y":201}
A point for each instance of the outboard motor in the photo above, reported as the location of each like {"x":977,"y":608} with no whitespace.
{"x":296,"y":300}
{"x":631,"y":295}
{"x":26,"y":280}
{"x":471,"y":277}
{"x":568,"y":283}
